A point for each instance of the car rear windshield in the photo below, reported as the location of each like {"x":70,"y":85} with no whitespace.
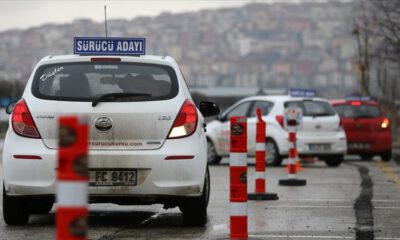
{"x":86,"y":81}
{"x":360,"y":111}
{"x":312,"y":108}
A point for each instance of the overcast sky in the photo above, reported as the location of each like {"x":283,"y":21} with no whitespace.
{"x":23,"y":14}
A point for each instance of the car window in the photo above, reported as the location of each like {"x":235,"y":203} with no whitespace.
{"x":87,"y":81}
{"x":240,"y":110}
{"x":312,"y":108}
{"x":361,"y":111}
{"x":265,"y":107}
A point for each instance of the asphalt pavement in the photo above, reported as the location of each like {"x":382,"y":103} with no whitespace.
{"x":358,"y":200}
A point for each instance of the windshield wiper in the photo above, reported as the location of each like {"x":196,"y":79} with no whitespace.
{"x":113,"y":96}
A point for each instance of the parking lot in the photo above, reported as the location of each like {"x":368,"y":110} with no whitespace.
{"x":336,"y":204}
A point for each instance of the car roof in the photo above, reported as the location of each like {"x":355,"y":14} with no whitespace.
{"x":167,"y":60}
{"x":281,"y":98}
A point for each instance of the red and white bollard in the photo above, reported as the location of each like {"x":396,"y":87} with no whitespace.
{"x":72,"y":180}
{"x":238,"y":178}
{"x":292,"y":169}
{"x":260,"y":185}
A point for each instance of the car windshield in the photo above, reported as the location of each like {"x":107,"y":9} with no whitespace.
{"x":92,"y":80}
{"x":360,"y":111}
{"x":312,"y":108}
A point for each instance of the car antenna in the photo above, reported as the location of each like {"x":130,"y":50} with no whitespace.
{"x":105,"y":19}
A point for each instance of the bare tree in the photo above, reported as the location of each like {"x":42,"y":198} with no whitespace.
{"x":362,"y":33}
{"x":381,"y":22}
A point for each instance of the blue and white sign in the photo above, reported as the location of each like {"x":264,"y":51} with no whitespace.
{"x":300,"y":92}
{"x":358,"y":98}
{"x":109,"y":46}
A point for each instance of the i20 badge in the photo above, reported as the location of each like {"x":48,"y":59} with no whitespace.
{"x":103,"y":124}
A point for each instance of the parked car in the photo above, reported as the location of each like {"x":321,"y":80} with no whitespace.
{"x":367,"y":128}
{"x":142,"y":123}
{"x":321,"y":135}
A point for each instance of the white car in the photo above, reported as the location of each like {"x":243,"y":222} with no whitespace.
{"x":321,"y":134}
{"x":142,"y":122}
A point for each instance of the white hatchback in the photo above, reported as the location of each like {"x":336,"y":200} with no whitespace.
{"x":321,"y":135}
{"x":142,"y":120}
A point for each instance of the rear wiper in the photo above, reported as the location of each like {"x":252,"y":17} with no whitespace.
{"x":112,"y":96}
{"x":321,"y":115}
{"x":364,"y":116}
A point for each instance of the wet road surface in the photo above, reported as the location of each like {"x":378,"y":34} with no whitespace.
{"x":358,"y":200}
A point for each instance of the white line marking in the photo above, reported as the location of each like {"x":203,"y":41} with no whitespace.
{"x":316,"y":200}
{"x":394,"y":208}
{"x":305,"y":237}
{"x":313,"y":236}
{"x":308,"y":206}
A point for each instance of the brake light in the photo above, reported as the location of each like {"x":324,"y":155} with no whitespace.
{"x":186,"y":121}
{"x":22,"y":121}
{"x":105,"y":59}
{"x":279,"y":119}
{"x":356,"y":103}
{"x":385,"y":123}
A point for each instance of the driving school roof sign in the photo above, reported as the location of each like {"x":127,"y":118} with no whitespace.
{"x":109,"y":46}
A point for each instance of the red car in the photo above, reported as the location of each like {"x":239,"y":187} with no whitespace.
{"x":367,"y":129}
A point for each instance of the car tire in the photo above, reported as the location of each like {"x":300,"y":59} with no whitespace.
{"x":386,"y":156}
{"x":15,"y":210}
{"x":334,"y":160}
{"x":195,"y":209}
{"x":212,"y":156}
{"x":42,"y":207}
{"x":273,"y":158}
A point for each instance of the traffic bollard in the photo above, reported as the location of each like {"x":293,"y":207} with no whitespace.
{"x":260,"y":183}
{"x":72,"y":180}
{"x":238,"y":178}
{"x":292,"y":169}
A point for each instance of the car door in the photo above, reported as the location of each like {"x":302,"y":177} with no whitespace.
{"x":265,"y":108}
{"x":223,"y":133}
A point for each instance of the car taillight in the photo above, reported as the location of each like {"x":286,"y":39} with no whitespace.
{"x":22,"y":121}
{"x":279,"y":118}
{"x":186,"y":121}
{"x":385,"y":123}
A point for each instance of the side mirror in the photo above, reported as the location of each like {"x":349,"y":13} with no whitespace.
{"x":10,"y":107}
{"x":209,"y":109}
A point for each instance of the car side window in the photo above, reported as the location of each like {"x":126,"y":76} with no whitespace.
{"x":263,"y":105}
{"x":240,"y":110}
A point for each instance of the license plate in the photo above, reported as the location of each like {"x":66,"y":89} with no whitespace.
{"x":320,"y":147}
{"x":358,"y":145}
{"x":113,"y":178}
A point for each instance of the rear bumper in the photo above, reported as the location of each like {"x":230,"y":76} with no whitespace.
{"x":337,"y":142}
{"x":380,"y":142}
{"x":156,"y":176}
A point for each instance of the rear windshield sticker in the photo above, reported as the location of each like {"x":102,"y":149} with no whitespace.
{"x":51,"y":74}
{"x":99,"y":67}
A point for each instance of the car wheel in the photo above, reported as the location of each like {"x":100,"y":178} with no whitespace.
{"x":195,"y":209}
{"x":212,"y":156}
{"x":272,"y":153}
{"x":386,"y":156}
{"x":15,"y":210}
{"x":334,"y":161}
{"x":42,"y":207}
{"x":366,"y":157}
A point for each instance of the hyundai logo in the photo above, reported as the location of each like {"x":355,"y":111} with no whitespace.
{"x":103,"y":124}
